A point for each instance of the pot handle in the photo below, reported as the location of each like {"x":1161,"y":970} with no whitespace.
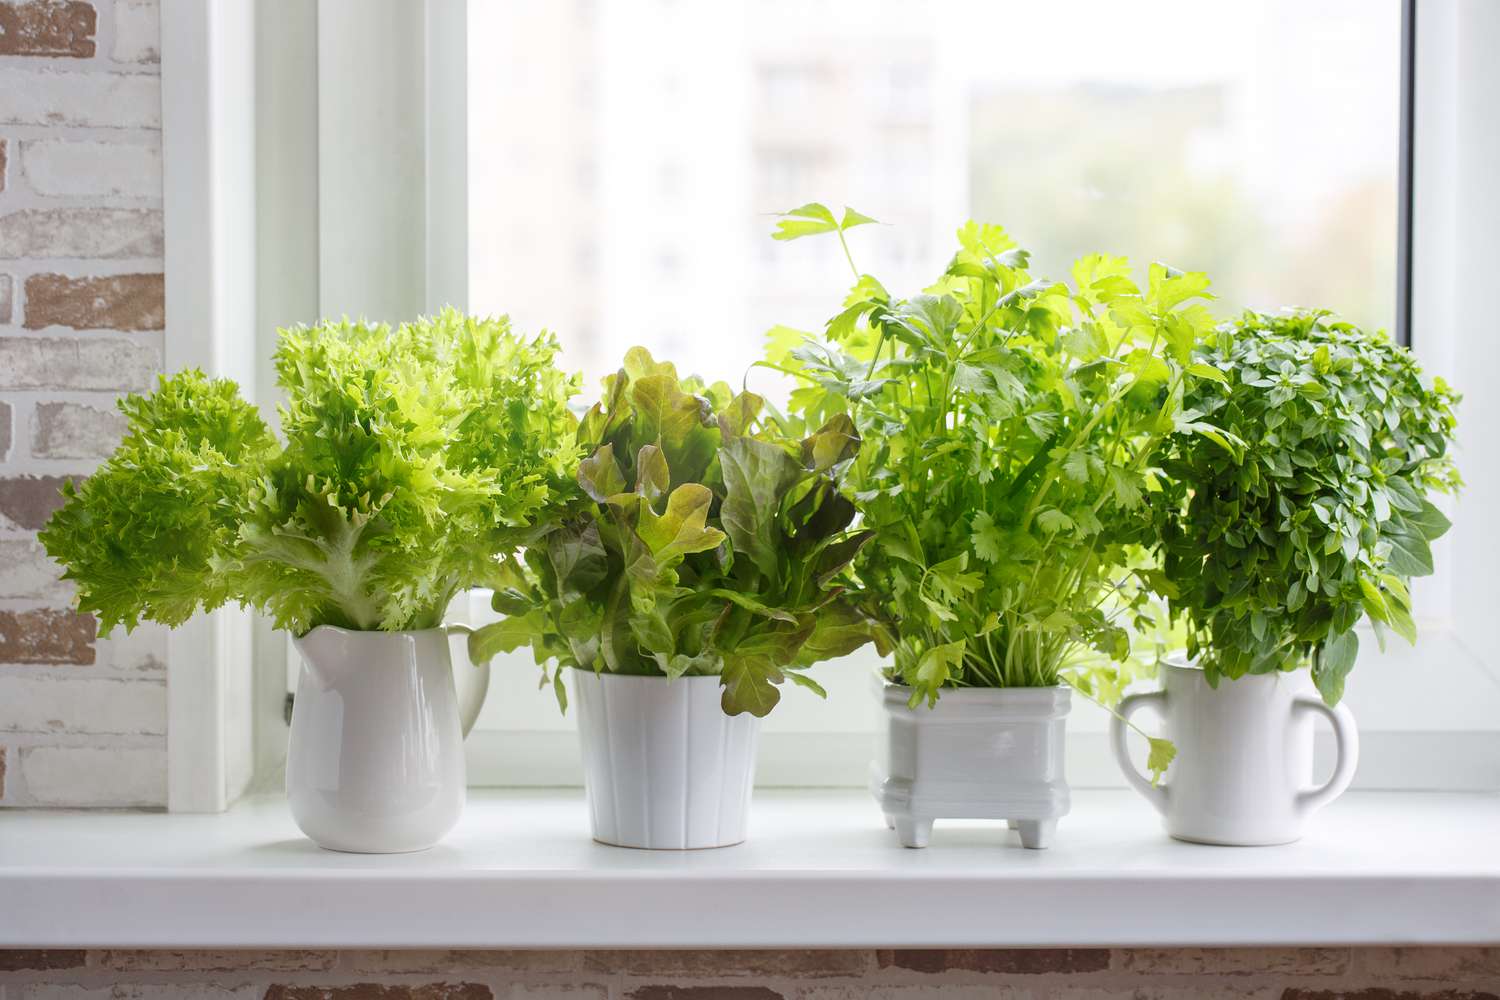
{"x":470,"y":694}
{"x":1154,"y":794}
{"x":1346,"y":736}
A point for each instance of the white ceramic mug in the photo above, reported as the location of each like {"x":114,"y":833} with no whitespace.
{"x":375,"y":762}
{"x":1243,"y":774}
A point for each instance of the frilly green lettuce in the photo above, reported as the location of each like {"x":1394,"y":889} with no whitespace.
{"x":409,"y":461}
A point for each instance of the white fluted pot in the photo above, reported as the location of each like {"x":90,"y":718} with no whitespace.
{"x":663,"y":766}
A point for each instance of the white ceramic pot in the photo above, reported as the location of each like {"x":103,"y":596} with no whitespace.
{"x":979,"y":753}
{"x":663,"y":766}
{"x":1243,"y":774}
{"x":376,"y":759}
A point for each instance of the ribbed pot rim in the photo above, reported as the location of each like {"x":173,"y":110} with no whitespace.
{"x":613,"y":678}
{"x":374,"y":633}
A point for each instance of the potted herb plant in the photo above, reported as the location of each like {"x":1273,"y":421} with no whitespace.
{"x":1273,"y":550}
{"x":1009,"y":425}
{"x":405,"y":458}
{"x":698,"y":570}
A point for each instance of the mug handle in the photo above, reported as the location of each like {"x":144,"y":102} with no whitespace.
{"x":1154,"y":794}
{"x":472,"y":699}
{"x":1346,"y":736}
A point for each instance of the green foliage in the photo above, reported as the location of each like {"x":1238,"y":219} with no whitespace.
{"x":139,"y":536}
{"x":410,"y":457}
{"x":704,"y":542}
{"x":1009,"y":424}
{"x":1273,"y":552}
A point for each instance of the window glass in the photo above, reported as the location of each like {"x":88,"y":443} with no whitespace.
{"x":626,"y":157}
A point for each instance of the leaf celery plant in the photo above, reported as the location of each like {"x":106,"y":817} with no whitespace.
{"x":1011,"y":424}
{"x":406,"y":457}
{"x":1273,"y":553}
{"x":701,"y":541}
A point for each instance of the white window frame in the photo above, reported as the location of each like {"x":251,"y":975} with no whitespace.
{"x":341,"y":231}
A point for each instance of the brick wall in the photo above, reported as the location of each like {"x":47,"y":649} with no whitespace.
{"x":1080,"y":974}
{"x":82,"y":722}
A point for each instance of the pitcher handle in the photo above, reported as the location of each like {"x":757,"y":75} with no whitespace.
{"x":1346,"y":737}
{"x":1154,"y":794}
{"x":471,"y":696}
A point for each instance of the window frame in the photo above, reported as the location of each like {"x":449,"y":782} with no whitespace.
{"x":1416,"y":734}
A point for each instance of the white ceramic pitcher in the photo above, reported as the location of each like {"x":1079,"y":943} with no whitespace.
{"x":376,"y":759}
{"x":1243,"y":774}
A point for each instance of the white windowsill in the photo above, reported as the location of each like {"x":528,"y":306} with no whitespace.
{"x":820,"y":870}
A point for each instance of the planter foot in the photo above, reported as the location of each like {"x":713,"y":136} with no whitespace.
{"x":890,"y":822}
{"x":1035,"y":833}
{"x":913,"y":832}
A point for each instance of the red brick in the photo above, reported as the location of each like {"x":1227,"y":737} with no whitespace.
{"x":28,"y":501}
{"x":376,"y":991}
{"x":157,"y":960}
{"x":1233,"y":961}
{"x":47,"y":28}
{"x":1442,"y":965}
{"x":799,"y":964}
{"x":13,"y":960}
{"x":113,"y":302}
{"x":1010,"y":961}
{"x":1384,"y":994}
{"x":444,"y":961}
{"x":47,"y":636}
{"x":703,"y":993}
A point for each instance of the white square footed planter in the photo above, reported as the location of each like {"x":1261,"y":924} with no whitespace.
{"x":979,"y":753}
{"x":663,"y":766}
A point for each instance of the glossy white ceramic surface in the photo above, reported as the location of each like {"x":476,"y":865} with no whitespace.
{"x":376,"y":760}
{"x":979,"y":753}
{"x":663,"y":766}
{"x":1243,"y":775}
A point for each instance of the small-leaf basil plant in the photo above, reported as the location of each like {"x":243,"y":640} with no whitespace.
{"x":1319,"y":513}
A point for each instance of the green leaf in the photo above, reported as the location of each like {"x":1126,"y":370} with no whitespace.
{"x":757,"y":475}
{"x":667,"y":416}
{"x":1209,"y":372}
{"x":502,"y":636}
{"x":802,"y":680}
{"x":1333,"y":663}
{"x":1159,"y":757}
{"x":853,"y":218}
{"x":599,"y":475}
{"x":933,"y":669}
{"x":985,"y":537}
{"x":682,"y":528}
{"x":1429,"y":522}
{"x":652,"y":477}
{"x":838,"y":630}
{"x":1410,"y":555}
{"x":832,"y":444}
{"x":1053,"y":520}
{"x":809,"y":220}
{"x":1168,"y":287}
